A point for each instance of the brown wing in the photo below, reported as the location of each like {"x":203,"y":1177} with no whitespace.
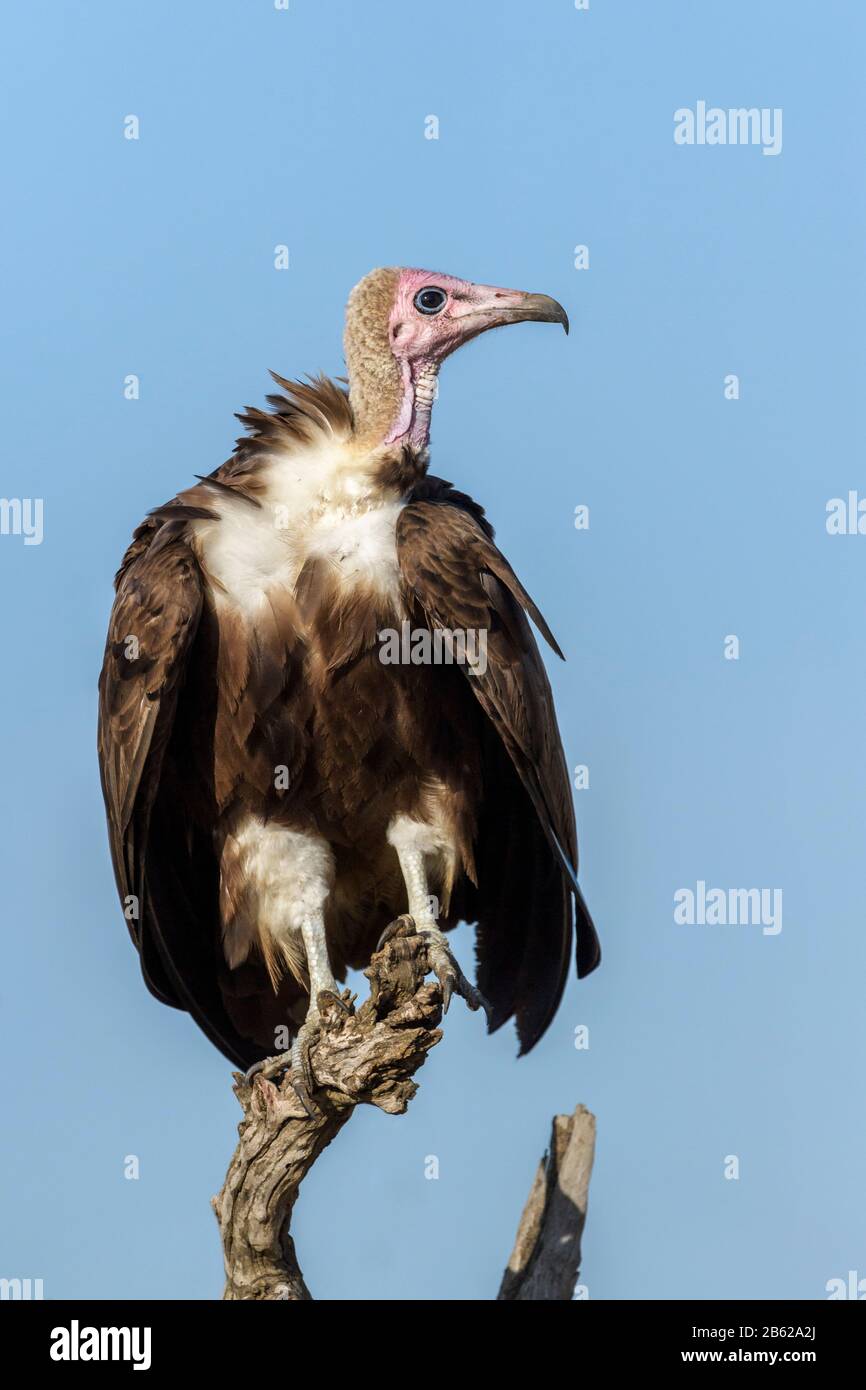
{"x":527,"y":898}
{"x":165,"y":868}
{"x":153,"y":622}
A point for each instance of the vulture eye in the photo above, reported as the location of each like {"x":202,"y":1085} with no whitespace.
{"x":430,"y":300}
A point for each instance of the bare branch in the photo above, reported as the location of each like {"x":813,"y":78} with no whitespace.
{"x":545,"y":1260}
{"x":368,"y":1057}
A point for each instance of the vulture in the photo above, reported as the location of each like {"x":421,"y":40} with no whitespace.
{"x":283,"y":778}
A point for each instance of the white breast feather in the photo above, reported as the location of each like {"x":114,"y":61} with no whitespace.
{"x":318,"y":503}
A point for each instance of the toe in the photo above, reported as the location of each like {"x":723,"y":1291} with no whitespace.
{"x":331,"y":1003}
{"x":302,"y":1071}
{"x":451,"y":978}
{"x":268,"y":1067}
{"x":401,"y":926}
{"x":302,"y":1091}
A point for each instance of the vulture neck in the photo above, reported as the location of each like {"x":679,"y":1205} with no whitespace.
{"x":391,"y":401}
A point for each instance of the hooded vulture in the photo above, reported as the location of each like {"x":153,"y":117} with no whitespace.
{"x":322,"y":706}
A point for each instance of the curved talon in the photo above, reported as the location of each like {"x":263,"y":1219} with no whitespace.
{"x":329,"y":1002}
{"x":450,"y":976}
{"x":302,"y":1069}
{"x":268,"y":1067}
{"x":300,"y":1090}
{"x":401,"y":926}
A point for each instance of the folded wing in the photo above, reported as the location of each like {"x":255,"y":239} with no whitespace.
{"x":527,"y":899}
{"x":165,"y":867}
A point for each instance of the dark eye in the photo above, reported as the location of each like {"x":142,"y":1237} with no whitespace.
{"x":430,"y":300}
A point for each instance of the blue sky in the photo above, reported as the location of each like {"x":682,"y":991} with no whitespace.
{"x":707,"y":519}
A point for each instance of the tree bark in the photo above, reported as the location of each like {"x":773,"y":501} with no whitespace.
{"x":369,"y":1057}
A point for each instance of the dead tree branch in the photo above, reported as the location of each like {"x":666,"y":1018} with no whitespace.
{"x":545,"y":1260}
{"x":364,"y":1057}
{"x":369,"y":1057}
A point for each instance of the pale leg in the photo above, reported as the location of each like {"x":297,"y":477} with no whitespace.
{"x":291,"y":873}
{"x":415,"y":843}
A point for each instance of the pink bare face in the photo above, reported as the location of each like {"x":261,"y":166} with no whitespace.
{"x":434,"y":314}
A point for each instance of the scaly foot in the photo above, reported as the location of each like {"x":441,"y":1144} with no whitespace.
{"x":442,"y":962}
{"x":297,"y":1059}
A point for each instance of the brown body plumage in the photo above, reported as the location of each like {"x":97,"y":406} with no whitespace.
{"x":252,"y":717}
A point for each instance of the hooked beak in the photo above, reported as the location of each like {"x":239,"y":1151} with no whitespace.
{"x":494,"y":307}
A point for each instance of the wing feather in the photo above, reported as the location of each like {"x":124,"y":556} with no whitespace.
{"x":455,"y":577}
{"x":152,"y":625}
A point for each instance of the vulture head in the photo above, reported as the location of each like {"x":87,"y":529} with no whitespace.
{"x":401,"y":324}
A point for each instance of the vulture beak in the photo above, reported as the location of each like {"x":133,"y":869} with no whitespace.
{"x":490,"y":307}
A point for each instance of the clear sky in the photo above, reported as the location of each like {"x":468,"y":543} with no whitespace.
{"x":155,"y":257}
